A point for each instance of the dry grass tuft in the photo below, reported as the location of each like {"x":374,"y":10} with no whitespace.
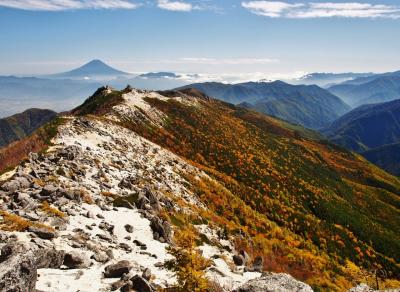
{"x":11,"y":222}
{"x":51,"y":210}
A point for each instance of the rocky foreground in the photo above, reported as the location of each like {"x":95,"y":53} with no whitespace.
{"x":86,"y":215}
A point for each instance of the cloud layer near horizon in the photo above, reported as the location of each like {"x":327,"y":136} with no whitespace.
{"x":277,"y":9}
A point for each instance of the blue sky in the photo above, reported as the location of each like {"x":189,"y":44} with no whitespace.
{"x":210,"y":36}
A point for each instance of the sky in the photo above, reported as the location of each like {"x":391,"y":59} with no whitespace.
{"x":222,"y":37}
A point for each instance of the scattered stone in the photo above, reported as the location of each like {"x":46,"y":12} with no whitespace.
{"x":100,"y":257}
{"x":238,"y":260}
{"x":274,"y":282}
{"x":118,"y":269}
{"x":129,"y":228}
{"x":106,"y":226}
{"x":125,"y":247}
{"x":42,"y":232}
{"x":141,"y":284}
{"x":105,"y":237}
{"x":245,"y":256}
{"x":48,"y":190}
{"x":11,"y":186}
{"x":117,"y":285}
{"x":90,"y":214}
{"x":361,"y":288}
{"x":76,"y":260}
{"x":161,"y":229}
{"x":258,"y":264}
{"x":146,"y":274}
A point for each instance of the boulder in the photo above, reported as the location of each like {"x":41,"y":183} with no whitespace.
{"x":140,"y":284}
{"x":128,"y":182}
{"x":43,"y":232}
{"x":48,"y":190}
{"x":49,"y":258}
{"x":24,"y":182}
{"x":238,"y":260}
{"x":23,"y":199}
{"x":153,"y":199}
{"x":19,"y":263}
{"x":146,"y":274}
{"x":129,"y":228}
{"x":70,"y":152}
{"x":361,"y":288}
{"x":118,"y":269}
{"x":161,"y":229}
{"x":274,"y":282}
{"x":76,"y":260}
{"x":18,"y":271}
{"x":90,"y":214}
{"x":117,"y":285}
{"x":258,"y":264}
{"x":100,"y":257}
{"x":11,"y":186}
{"x":245,"y":256}
{"x":142,"y":202}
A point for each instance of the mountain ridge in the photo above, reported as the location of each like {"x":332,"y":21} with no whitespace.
{"x":372,"y":130}
{"x":307,"y":105}
{"x":19,"y":126}
{"x":379,"y":89}
{"x":266,"y":193}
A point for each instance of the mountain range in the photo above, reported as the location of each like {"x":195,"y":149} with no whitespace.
{"x":373,"y":130}
{"x":366,"y":90}
{"x":327,"y":79}
{"x":177,"y":184}
{"x":306,"y":105}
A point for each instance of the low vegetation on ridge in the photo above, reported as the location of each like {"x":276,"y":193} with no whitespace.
{"x":305,"y":205}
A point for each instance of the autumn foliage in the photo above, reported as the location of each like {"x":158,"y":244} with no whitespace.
{"x":188,"y":264}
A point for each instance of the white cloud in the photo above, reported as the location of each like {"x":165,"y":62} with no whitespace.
{"x":233,"y":61}
{"x":322,"y":10}
{"x":269,"y":8}
{"x":59,"y":5}
{"x":175,"y":5}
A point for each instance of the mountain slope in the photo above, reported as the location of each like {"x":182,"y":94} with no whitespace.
{"x":233,"y":93}
{"x":91,"y":70}
{"x":276,"y":171}
{"x":386,"y":157}
{"x":379,"y":89}
{"x":373,"y":130}
{"x":309,"y":106}
{"x":367,"y":127}
{"x":228,"y":181}
{"x":21,"y":125}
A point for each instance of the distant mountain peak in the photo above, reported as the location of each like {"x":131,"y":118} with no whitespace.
{"x":92,"y":69}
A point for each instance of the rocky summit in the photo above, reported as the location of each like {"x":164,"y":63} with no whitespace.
{"x":118,"y":200}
